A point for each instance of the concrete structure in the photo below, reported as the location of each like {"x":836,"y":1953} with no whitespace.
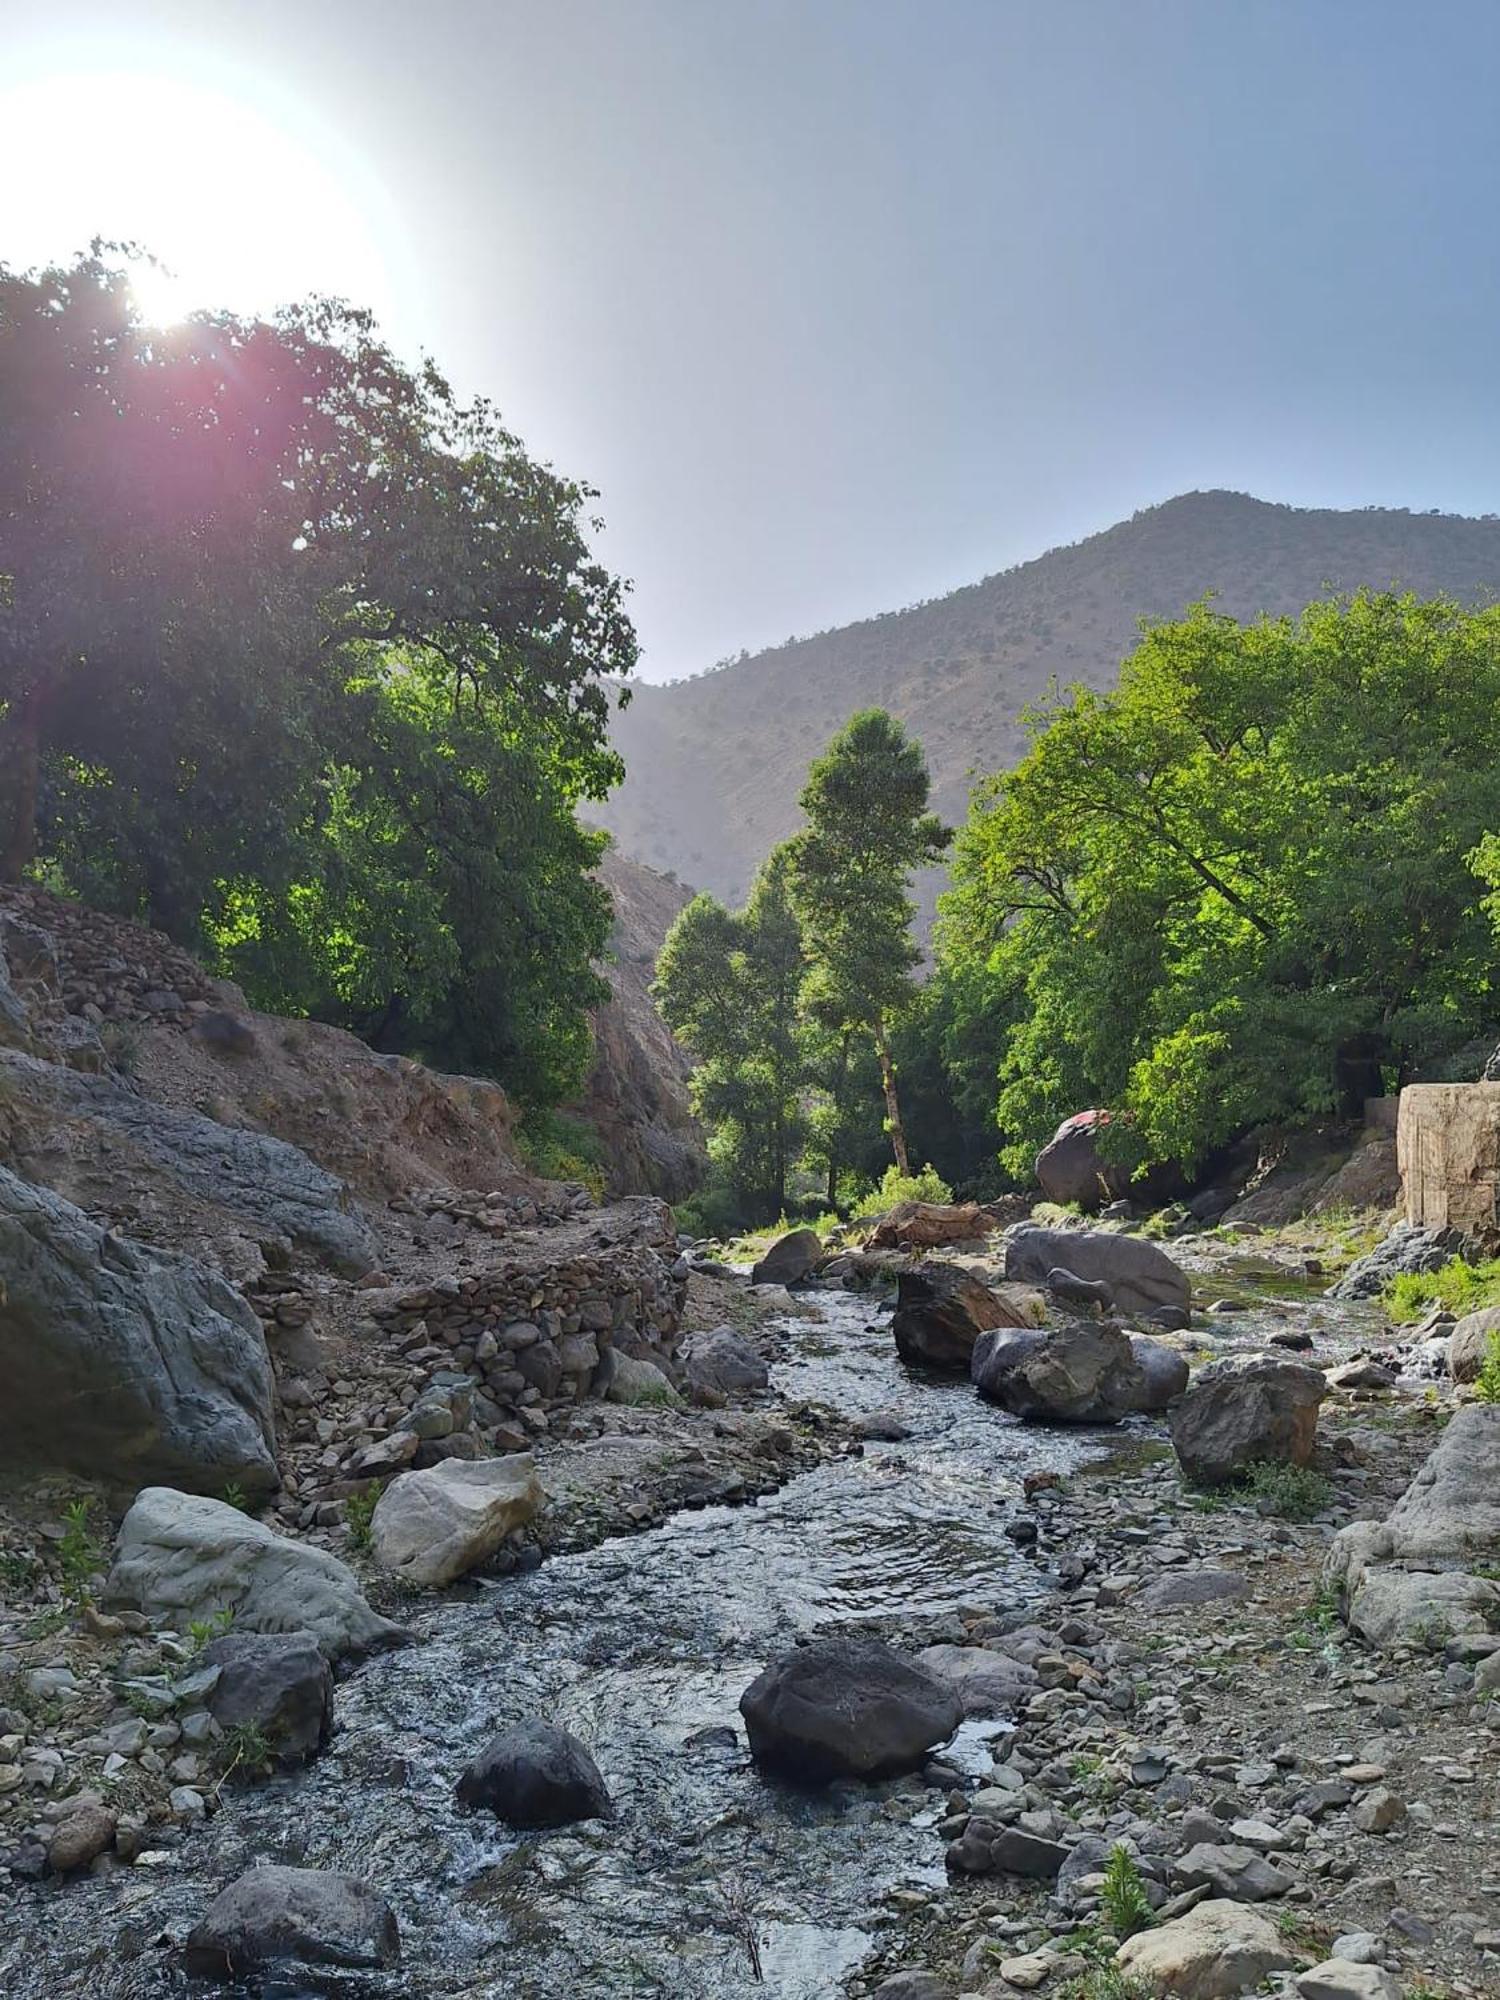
{"x":1448,"y":1150}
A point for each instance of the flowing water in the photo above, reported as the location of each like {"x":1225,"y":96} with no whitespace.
{"x":642,"y":1646}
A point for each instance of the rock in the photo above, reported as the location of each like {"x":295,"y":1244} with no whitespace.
{"x":1086,"y":1857}
{"x":310,"y":1916}
{"x":1344,"y":1979}
{"x":1183,"y":1587}
{"x":723,"y":1363}
{"x":790,"y":1259}
{"x":1080,"y":1373}
{"x":1231,"y":1870}
{"x":1070,"y":1167}
{"x":1217,"y":1951}
{"x":1405,"y":1249}
{"x":1081,"y":1293}
{"x":181,"y":1558}
{"x":929,"y":1225}
{"x":1364,"y":1374}
{"x":1013,"y":1851}
{"x":536,"y":1775}
{"x":1377,"y":1810}
{"x":278,"y":1683}
{"x":913,"y":1985}
{"x":85,"y":1834}
{"x":624,"y":1379}
{"x":124,"y":1363}
{"x":940,"y":1313}
{"x":846,"y":1707}
{"x":1468,"y":1344}
{"x":986,"y":1683}
{"x":1164,"y":1372}
{"x":430,"y":1527}
{"x":1242,"y":1412}
{"x":1142,"y":1278}
{"x":1448,"y":1148}
{"x":225,"y":1033}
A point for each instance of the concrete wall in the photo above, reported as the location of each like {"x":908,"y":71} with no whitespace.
{"x":1448,"y":1150}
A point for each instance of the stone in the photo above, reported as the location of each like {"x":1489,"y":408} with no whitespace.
{"x":1405,"y":1249}
{"x":1238,"y":1413}
{"x":1180,"y":1588}
{"x":941,"y":1311}
{"x":913,"y":1985}
{"x":1364,"y":1374}
{"x":278,"y":1683}
{"x":723,"y":1363}
{"x":1230,"y":1870}
{"x":636,"y":1383}
{"x":929,"y":1225}
{"x":1164,"y":1372}
{"x":536,"y":1775}
{"x":1142,"y":1278}
{"x":1070,"y":1167}
{"x":986,"y":1683}
{"x":309,"y":1916}
{"x":1377,"y":1811}
{"x":1344,"y":1979}
{"x":1083,"y":1372}
{"x":181,"y":1558}
{"x":1469,"y":1343}
{"x":86,"y":1833}
{"x":124,"y":1363}
{"x":790,"y":1260}
{"x":1217,"y":1951}
{"x":846,"y":1707}
{"x":432,"y":1527}
{"x":1013,"y":1851}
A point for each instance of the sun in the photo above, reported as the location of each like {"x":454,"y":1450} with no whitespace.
{"x":239,"y":205}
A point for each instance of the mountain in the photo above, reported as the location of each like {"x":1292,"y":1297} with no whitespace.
{"x":714,"y":764}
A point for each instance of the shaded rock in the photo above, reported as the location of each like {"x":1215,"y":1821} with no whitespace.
{"x":536,"y":1775}
{"x":123,"y":1363}
{"x":278,"y":1683}
{"x":310,"y":1916}
{"x":723,"y":1363}
{"x":1178,"y":1588}
{"x":85,"y":1834}
{"x":1217,"y":1951}
{"x":1231,"y":1870}
{"x":1405,"y":1249}
{"x":1241,"y":1412}
{"x":846,"y":1707}
{"x":1086,"y":1857}
{"x":1164,"y":1372}
{"x":1142,"y":1278}
{"x":1469,"y":1341}
{"x":1070,"y":1167}
{"x":1081,"y":1373}
{"x":180,"y":1558}
{"x":624,"y":1379}
{"x":431,"y":1527}
{"x":790,"y":1259}
{"x":940,"y":1313}
{"x":1013,"y":1851}
{"x":986,"y":1683}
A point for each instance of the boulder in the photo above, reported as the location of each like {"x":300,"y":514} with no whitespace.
{"x":624,"y":1379}
{"x":1142,"y":1278}
{"x":1070,"y":1168}
{"x":1238,"y":1413}
{"x":310,"y":1916}
{"x":913,"y":1985}
{"x":1405,"y":1249}
{"x":1164,"y":1372}
{"x":430,"y":1527}
{"x":790,"y":1259}
{"x":1081,"y":1373}
{"x":846,"y":1708}
{"x":723,"y":1363}
{"x":929,"y":1225}
{"x":123,"y":1363}
{"x":1217,"y":1951}
{"x":940,"y":1313}
{"x":987,"y":1684}
{"x":1181,"y":1589}
{"x":180,"y":1558}
{"x":81,"y":1837}
{"x":1468,"y":1344}
{"x":1348,"y":1979}
{"x":278,"y":1683}
{"x":535,"y":1775}
{"x":1231,"y":1870}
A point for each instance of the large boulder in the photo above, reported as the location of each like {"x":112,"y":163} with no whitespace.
{"x":1070,"y":1167}
{"x":431,"y":1527}
{"x":846,"y":1708}
{"x":1414,"y":1577}
{"x":1218,"y":1950}
{"x":790,"y":1259}
{"x":1405,"y":1249}
{"x":536,"y":1775}
{"x":1143,"y":1280}
{"x":181,"y":1559}
{"x":1164,"y":1372}
{"x":941,"y":1311}
{"x":1469,"y":1343}
{"x":277,"y":1683}
{"x":623,"y":1378}
{"x":1238,"y":1413}
{"x":722,"y":1363}
{"x":309,"y":1916}
{"x":929,"y":1225}
{"x":123,"y":1363}
{"x":1082,"y":1373}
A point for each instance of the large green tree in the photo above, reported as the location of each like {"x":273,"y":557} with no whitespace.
{"x":868,"y":828}
{"x":1236,"y":889}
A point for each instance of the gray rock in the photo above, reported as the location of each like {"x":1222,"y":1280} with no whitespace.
{"x":1164,"y":1372}
{"x":180,"y":1558}
{"x":432,"y":1527}
{"x":535,"y":1775}
{"x":1469,"y":1342}
{"x":1242,"y":1412}
{"x":623,"y":1379}
{"x":790,"y":1259}
{"x":913,"y":1985}
{"x":123,"y":1363}
{"x":278,"y":1683}
{"x":1070,"y":1167}
{"x":1084,"y":1372}
{"x":1086,"y":1857}
{"x":1345,"y":1979}
{"x":986,"y":1683}
{"x":1230,"y":1870}
{"x":1013,"y":1851}
{"x":1405,"y":1249}
{"x":941,"y":1310}
{"x":723,"y":1363}
{"x":846,"y":1707}
{"x":1142,"y":1278}
{"x":1179,"y":1588}
{"x":310,"y":1916}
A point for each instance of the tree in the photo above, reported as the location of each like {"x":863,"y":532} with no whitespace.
{"x":1235,"y":890}
{"x":868,"y":828}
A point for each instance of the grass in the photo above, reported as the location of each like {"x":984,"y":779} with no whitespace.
{"x":203,"y":1631}
{"x":1293,"y":1492}
{"x":1487,"y":1384}
{"x":1460,"y":1287}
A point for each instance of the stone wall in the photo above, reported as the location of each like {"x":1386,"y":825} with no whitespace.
{"x":1448,"y":1149}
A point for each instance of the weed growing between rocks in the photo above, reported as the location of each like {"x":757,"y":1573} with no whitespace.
{"x":359,"y":1513}
{"x":1291,"y":1492}
{"x":80,"y":1555}
{"x":1487,"y":1386}
{"x":1122,"y":1896}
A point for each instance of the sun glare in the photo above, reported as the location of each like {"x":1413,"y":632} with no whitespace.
{"x":241,"y":210}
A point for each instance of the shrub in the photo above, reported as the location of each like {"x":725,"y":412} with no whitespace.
{"x":1122,"y":1896}
{"x":359,"y":1512}
{"x":924,"y":1185}
{"x":1294,"y":1492}
{"x":558,"y":1147}
{"x":1487,"y":1386}
{"x":1460,"y":1287}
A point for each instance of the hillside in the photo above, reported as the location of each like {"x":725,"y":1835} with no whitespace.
{"x":715,"y":764}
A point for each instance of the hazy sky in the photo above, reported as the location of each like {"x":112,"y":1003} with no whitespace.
{"x":840,"y":303}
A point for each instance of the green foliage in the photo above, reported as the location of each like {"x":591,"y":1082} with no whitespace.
{"x":245,"y":1752}
{"x":359,"y":1512}
{"x":1238,"y":888}
{"x":1295,"y":1492}
{"x":203,"y":1631}
{"x":80,"y":1554}
{"x":558,"y":1146}
{"x":1458,"y":1286}
{"x":1487,"y":1383}
{"x":924,"y":1185}
{"x":234,"y":1495}
{"x":1122,"y":1895}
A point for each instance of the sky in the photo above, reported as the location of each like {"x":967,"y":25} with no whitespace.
{"x":839,"y":304}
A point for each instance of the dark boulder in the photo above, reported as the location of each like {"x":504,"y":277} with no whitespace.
{"x":1243,"y":1412}
{"x":310,"y":1916}
{"x":278,"y":1683}
{"x":722,"y":1363}
{"x":1142,"y":1279}
{"x":536,"y":1775}
{"x":1164,"y":1371}
{"x":790,"y":1259}
{"x":940,"y":1313}
{"x":1070,"y":1167}
{"x":846,"y":1708}
{"x":1406,"y":1249}
{"x":1081,"y":1373}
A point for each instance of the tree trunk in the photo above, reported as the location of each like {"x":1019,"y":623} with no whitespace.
{"x":838,"y":1107}
{"x":21,"y":758}
{"x":892,"y":1103}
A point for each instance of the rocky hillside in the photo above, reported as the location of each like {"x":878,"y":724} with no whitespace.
{"x":715,"y":764}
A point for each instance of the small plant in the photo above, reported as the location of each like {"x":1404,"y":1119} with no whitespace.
{"x":79,"y":1553}
{"x":123,"y":1046}
{"x":203,"y":1631}
{"x":1487,"y":1385}
{"x":359,"y":1512}
{"x":244,"y":1752}
{"x":1293,"y":1491}
{"x":927,"y":1184}
{"x":1462,"y":1288}
{"x":234,"y":1495}
{"x":1122,"y":1896}
{"x":18,"y":1568}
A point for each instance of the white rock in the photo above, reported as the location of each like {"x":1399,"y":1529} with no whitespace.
{"x":1344,"y":1979}
{"x":1217,"y":1950}
{"x":430,"y":1527}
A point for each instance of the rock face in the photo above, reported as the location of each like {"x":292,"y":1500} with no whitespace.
{"x":1142,"y":1279}
{"x":1410,"y":1578}
{"x":430,"y":1527}
{"x":1468,"y":1344}
{"x":1218,"y":1950}
{"x":941,"y":1311}
{"x":124,"y":1363}
{"x":1448,"y":1150}
{"x":1081,"y":1373}
{"x":790,"y":1259}
{"x":1070,"y":1167}
{"x":722,"y":1364}
{"x":845,"y":1708}
{"x":1237,"y":1413}
{"x":180,"y":1557}
{"x":309,"y":1916}
{"x":536,"y":1775}
{"x":278,"y":1683}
